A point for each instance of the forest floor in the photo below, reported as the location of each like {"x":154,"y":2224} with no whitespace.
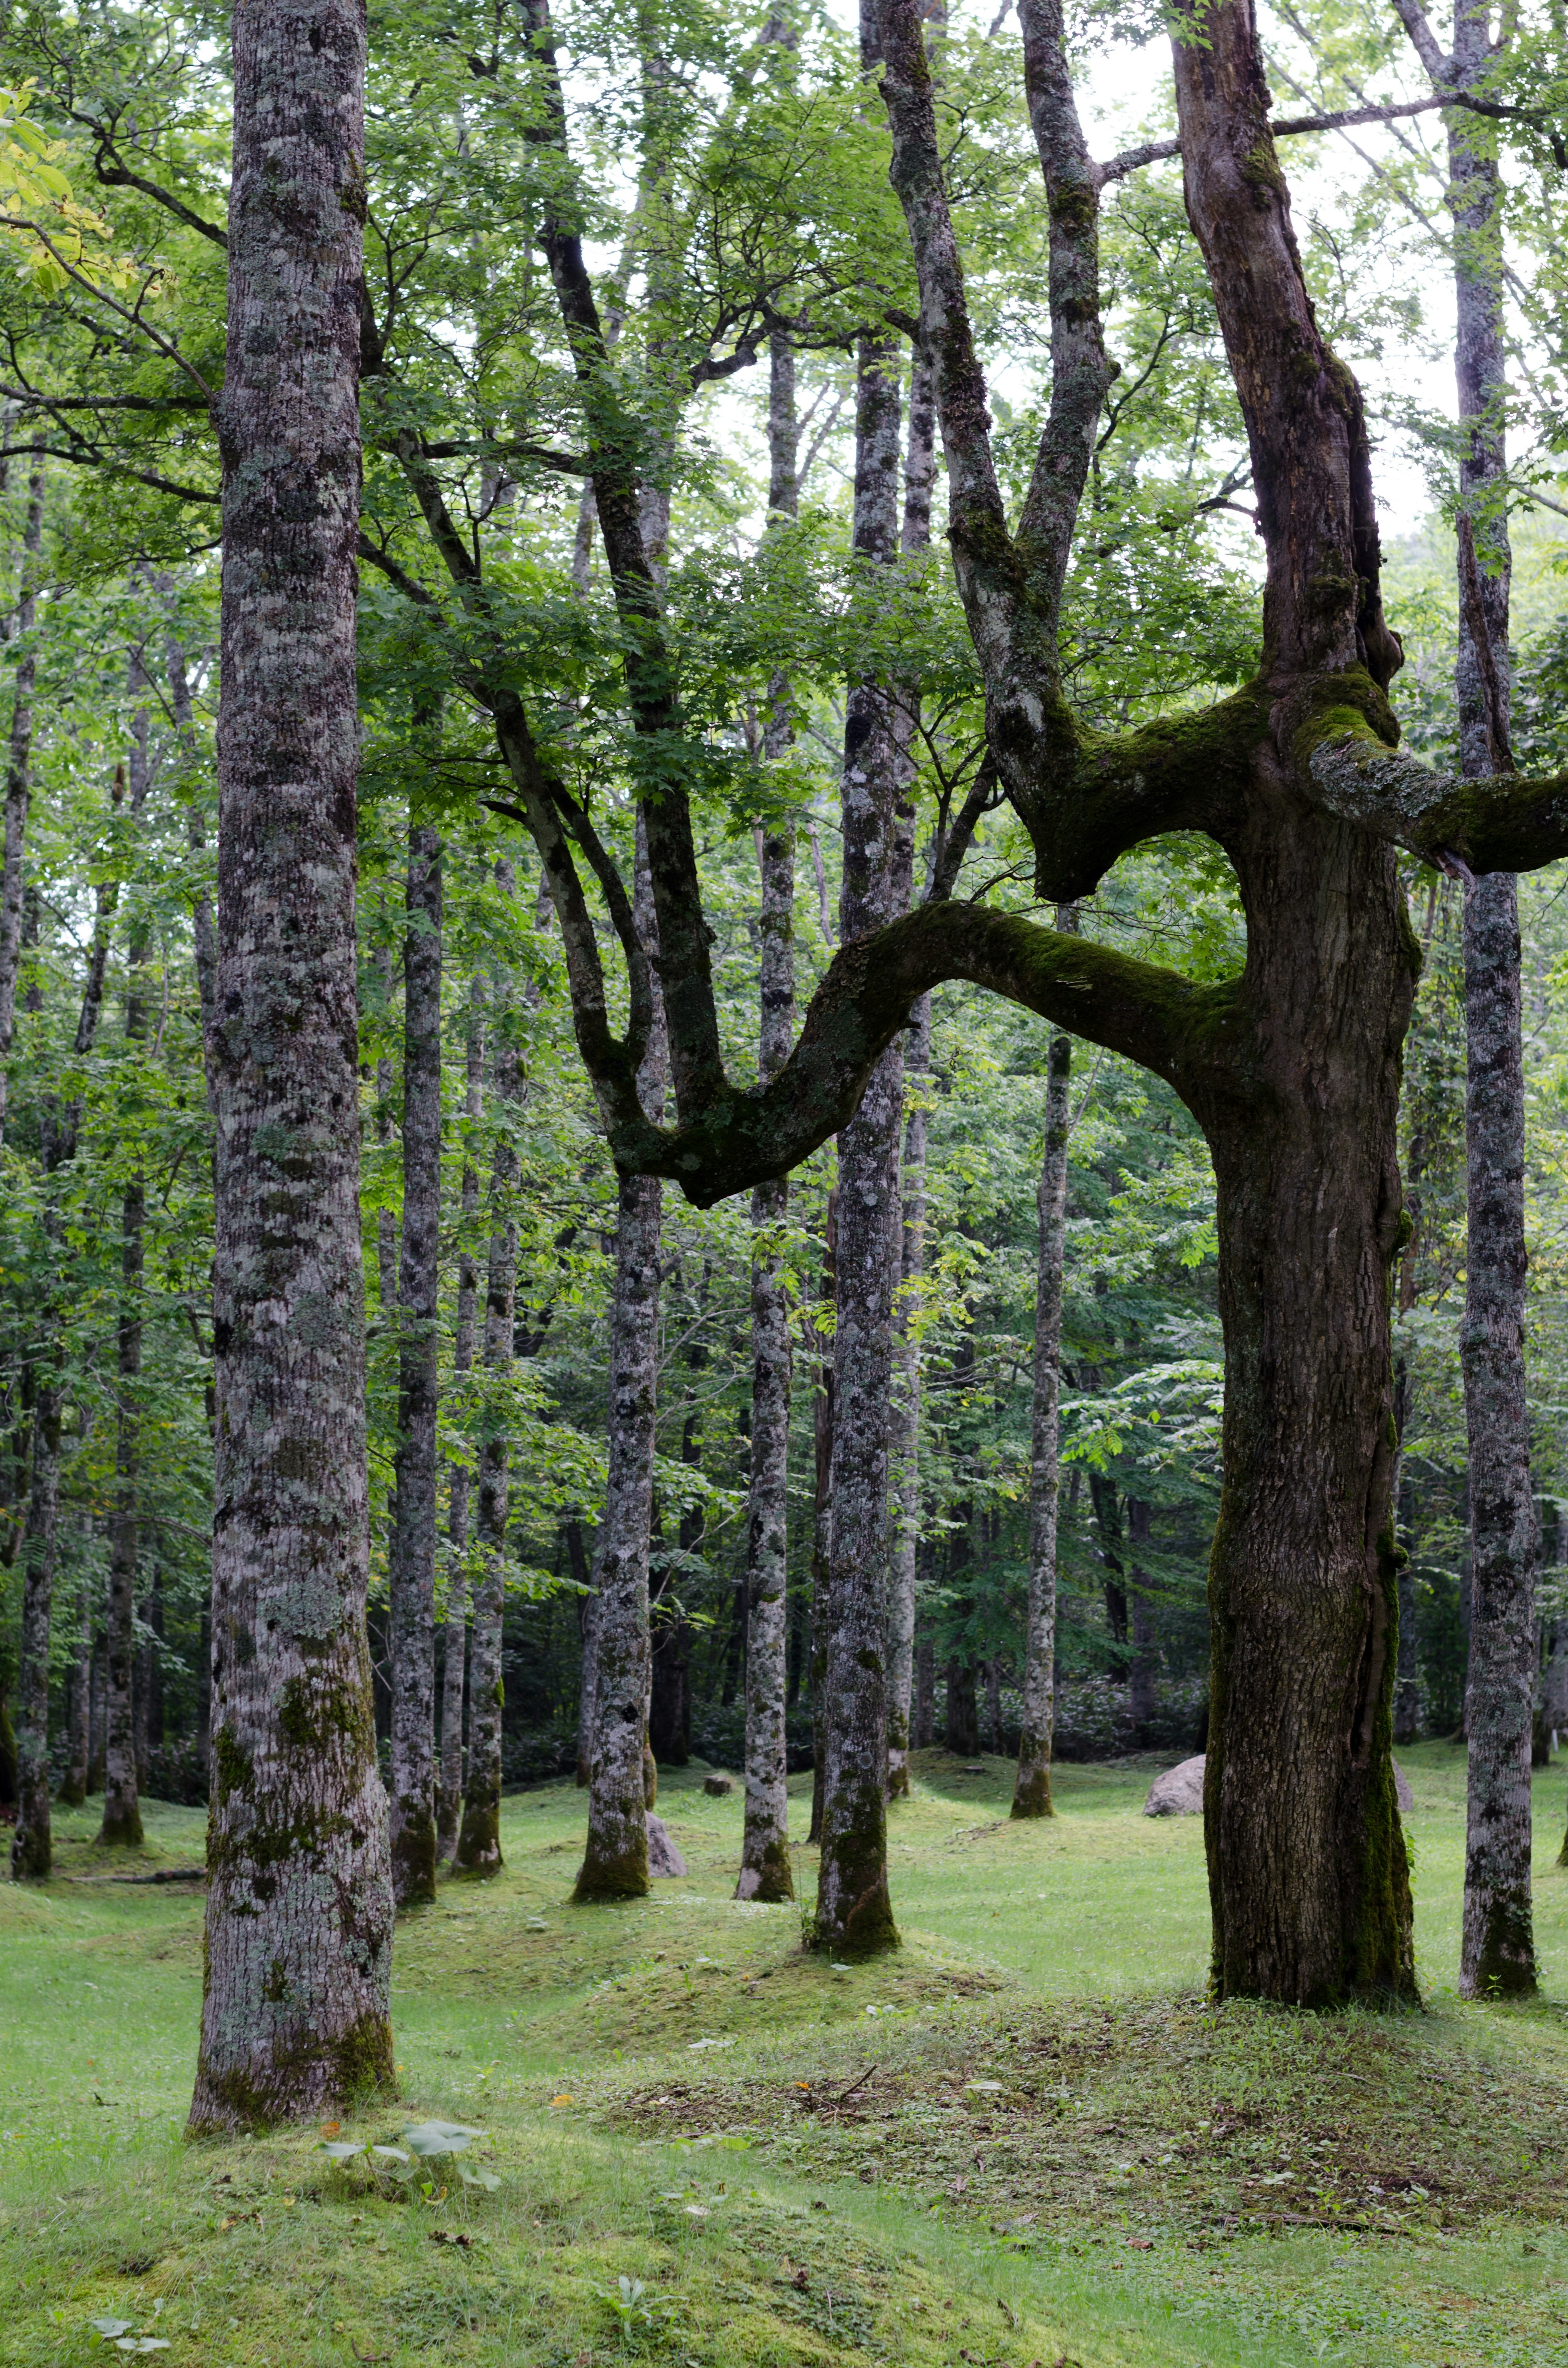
{"x":1024,"y":2137}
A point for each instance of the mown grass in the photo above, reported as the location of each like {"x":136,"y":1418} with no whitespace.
{"x":1024,"y":2136}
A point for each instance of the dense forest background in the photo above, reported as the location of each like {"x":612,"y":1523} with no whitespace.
{"x":109,"y":594}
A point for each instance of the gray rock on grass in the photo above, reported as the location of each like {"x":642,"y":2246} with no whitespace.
{"x":662,"y":1856}
{"x":1179,"y":1792}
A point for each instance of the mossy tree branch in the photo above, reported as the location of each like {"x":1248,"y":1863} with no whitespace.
{"x":1501,"y":825}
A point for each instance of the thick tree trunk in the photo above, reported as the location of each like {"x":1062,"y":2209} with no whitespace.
{"x":622,"y":1773}
{"x":904,"y":1419}
{"x":822,"y":1522}
{"x":1031,"y":1788}
{"x":412,"y":1562}
{"x":478,"y":1840}
{"x":765,"y":1872}
{"x":19,"y":775}
{"x":296,"y":2014}
{"x":452,"y":1687}
{"x":32,"y":1845}
{"x":1308,"y":1875}
{"x":854,"y":1912}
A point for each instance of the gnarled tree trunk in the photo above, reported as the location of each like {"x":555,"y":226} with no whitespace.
{"x":296,"y":2014}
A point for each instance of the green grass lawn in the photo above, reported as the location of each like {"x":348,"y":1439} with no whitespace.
{"x":1025,"y":2137}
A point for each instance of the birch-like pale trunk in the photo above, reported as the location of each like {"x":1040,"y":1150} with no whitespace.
{"x":1497,"y":1950}
{"x":919,"y":477}
{"x":296,"y":2016}
{"x":123,"y":1813}
{"x":19,"y":775}
{"x":766,"y":1870}
{"x":412,"y":1558}
{"x":478,"y":1848}
{"x":854,"y":1912}
{"x":452,"y":1686}
{"x":615,"y":1860}
{"x":1031,"y":1788}
{"x":903,"y":1417}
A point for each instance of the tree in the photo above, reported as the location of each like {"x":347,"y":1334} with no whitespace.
{"x":296,"y":2012}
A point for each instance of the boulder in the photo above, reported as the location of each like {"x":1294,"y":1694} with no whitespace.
{"x":1179,"y":1792}
{"x":662,"y":1856}
{"x":718,"y":1784}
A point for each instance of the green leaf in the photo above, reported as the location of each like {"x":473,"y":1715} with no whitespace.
{"x":485,"y":2179}
{"x":395,"y":2154}
{"x":440,"y":2137}
{"x":345,"y":2149}
{"x":109,"y":2329}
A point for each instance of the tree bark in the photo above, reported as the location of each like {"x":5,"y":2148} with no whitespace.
{"x":821,"y":1520}
{"x":477,"y":1850}
{"x":903,"y":1419}
{"x":204,"y":935}
{"x":1497,"y":1950}
{"x":1144,"y":1661}
{"x":854,"y":1912}
{"x":122,"y":1814}
{"x":587,"y":1629}
{"x":615,"y":1860}
{"x":32,"y":1843}
{"x":411,"y":1561}
{"x":79,"y":1709}
{"x":19,"y":775}
{"x":1031,"y":1788}
{"x":452,"y":1689}
{"x":296,"y":2015}
{"x":765,"y":1872}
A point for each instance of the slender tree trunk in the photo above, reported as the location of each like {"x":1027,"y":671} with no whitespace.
{"x":1497,"y":1953}
{"x":296,"y":2016}
{"x":903,"y":1436}
{"x":412,"y":1564}
{"x":822,"y":1522}
{"x":32,"y":1845}
{"x":123,"y":1813}
{"x":615,"y":1862}
{"x":95,"y":1677}
{"x":203,"y":934}
{"x":457,"y":1497}
{"x":925,"y":1719}
{"x":1031,"y":1790}
{"x":854,"y":1912}
{"x":19,"y":775}
{"x":79,"y":1709}
{"x":478,"y":1840}
{"x":587,"y":1629}
{"x":1144,"y":1661}
{"x":765,"y":1872}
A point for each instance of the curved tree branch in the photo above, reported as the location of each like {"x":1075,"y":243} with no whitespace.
{"x":1501,"y":825}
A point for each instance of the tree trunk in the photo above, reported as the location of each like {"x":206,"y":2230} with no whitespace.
{"x":95,"y":1677}
{"x":1145,"y":1664}
{"x":854,"y":1912}
{"x":587,"y":1630}
{"x":452,"y":1687}
{"x":122,"y":1814}
{"x":478,"y":1840}
{"x":622,"y":1777}
{"x":32,"y":1844}
{"x":204,"y":935}
{"x":904,"y":1431}
{"x":765,"y":1872}
{"x":296,"y":2015}
{"x":1497,"y":1951}
{"x":19,"y":775}
{"x":994,"y":1703}
{"x":962,"y":1730}
{"x":924,"y":1720}
{"x":1031,"y":1788}
{"x":822,"y":1520}
{"x":412,"y":1560}
{"x":79,"y":1709}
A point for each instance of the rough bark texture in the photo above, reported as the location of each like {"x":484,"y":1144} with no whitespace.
{"x":452,"y":1687}
{"x":821,"y":1520}
{"x":615,"y":1860}
{"x":1498,"y":1950}
{"x":203,"y":934}
{"x":295,"y":2015}
{"x":903,"y":1415}
{"x":411,"y":1559}
{"x":1031,"y":1788}
{"x":31,"y":1844}
{"x":79,"y":1710}
{"x":122,"y":1814}
{"x":479,"y":1842}
{"x":19,"y":775}
{"x":765,"y":1846}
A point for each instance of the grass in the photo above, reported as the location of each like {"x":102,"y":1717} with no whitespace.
{"x":1025,"y":2137}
